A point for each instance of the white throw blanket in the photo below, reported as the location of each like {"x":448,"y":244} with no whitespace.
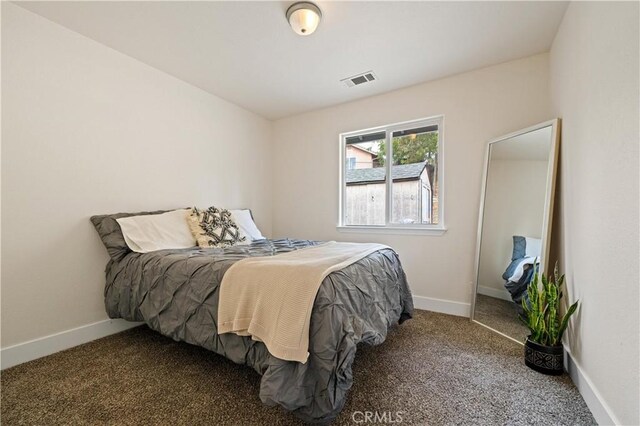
{"x":270,"y":298}
{"x":519,"y":271}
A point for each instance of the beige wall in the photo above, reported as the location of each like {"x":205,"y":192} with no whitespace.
{"x":514,"y":205}
{"x":594,"y":74}
{"x":87,"y":130}
{"x":477,"y":106}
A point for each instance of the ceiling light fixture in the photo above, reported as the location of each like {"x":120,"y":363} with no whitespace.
{"x":304,"y":17}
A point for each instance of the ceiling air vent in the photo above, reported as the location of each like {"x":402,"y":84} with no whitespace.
{"x":356,"y":80}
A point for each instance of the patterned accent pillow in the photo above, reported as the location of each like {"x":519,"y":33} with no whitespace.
{"x":214,"y":227}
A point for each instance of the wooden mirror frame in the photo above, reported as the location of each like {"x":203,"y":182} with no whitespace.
{"x":547,"y":220}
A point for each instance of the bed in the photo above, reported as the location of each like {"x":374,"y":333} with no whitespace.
{"x":175,"y":292}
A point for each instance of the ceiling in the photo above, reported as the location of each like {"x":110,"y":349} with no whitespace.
{"x":246,"y":53}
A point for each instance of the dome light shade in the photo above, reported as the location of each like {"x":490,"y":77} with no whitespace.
{"x":304,"y":17}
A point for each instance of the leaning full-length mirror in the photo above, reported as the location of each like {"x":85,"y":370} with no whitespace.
{"x":515,"y":224}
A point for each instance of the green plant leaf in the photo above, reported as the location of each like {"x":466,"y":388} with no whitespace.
{"x":565,"y":321}
{"x":543,"y":308}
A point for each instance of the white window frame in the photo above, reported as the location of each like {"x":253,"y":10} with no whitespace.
{"x":389,"y":227}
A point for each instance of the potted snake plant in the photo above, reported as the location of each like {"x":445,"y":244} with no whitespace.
{"x":543,"y":350}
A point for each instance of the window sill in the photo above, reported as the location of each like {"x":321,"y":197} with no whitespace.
{"x":397,"y":230}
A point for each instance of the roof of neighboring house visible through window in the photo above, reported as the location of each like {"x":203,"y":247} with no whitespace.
{"x":373,"y":154}
{"x":378,"y":174}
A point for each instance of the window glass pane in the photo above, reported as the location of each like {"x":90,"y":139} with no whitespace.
{"x":414,"y":171}
{"x":365,"y":180}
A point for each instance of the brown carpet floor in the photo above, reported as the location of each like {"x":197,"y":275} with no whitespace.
{"x":500,"y":315}
{"x":435,"y":369}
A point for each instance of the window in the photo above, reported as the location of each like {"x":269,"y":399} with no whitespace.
{"x":351,"y":163}
{"x":411,"y":153}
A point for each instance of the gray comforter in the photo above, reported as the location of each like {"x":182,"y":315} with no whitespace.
{"x":175,"y":292}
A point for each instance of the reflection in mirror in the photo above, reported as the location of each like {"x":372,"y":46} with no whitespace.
{"x":514,"y":224}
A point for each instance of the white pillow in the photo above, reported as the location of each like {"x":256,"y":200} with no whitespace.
{"x":157,"y":231}
{"x":533,"y":247}
{"x":247,"y":226}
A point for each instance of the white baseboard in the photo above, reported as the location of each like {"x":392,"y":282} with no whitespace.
{"x":495,"y":292}
{"x":600,"y":410}
{"x":443,"y":306}
{"x":37,"y":348}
